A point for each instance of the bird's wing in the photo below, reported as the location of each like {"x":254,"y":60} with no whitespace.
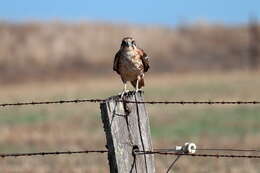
{"x":116,"y":63}
{"x":145,"y":60}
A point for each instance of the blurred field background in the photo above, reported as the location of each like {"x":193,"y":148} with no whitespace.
{"x":79,"y":127}
{"x":34,"y":50}
{"x":48,"y":60}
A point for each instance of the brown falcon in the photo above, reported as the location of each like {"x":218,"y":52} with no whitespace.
{"x":131,"y":63}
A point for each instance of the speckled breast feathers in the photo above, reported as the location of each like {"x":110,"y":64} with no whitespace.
{"x":130,"y":62}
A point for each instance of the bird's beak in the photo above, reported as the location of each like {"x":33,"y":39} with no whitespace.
{"x":129,"y":44}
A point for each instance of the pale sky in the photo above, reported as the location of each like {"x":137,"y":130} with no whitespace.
{"x":168,"y":12}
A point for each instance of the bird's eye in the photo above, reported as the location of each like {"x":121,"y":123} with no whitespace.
{"x":123,"y":43}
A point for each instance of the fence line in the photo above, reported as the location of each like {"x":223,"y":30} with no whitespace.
{"x":156,"y":151}
{"x":199,"y":155}
{"x":214,"y":149}
{"x":52,"y":153}
{"x":51,"y":102}
{"x":226,"y":149}
{"x":126,"y":101}
{"x":163,"y":152}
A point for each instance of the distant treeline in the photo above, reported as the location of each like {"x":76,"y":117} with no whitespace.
{"x":42,"y":50}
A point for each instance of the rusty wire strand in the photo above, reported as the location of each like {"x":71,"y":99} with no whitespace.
{"x":199,"y":155}
{"x":136,"y":152}
{"x":228,"y":149}
{"x":51,"y":153}
{"x":196,"y":102}
{"x":126,"y":101}
{"x":212,"y":149}
{"x":52,"y":102}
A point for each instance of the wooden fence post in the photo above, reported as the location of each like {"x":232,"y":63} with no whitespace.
{"x":127,"y":128}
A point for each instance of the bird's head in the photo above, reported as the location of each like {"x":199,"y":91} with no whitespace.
{"x":128,"y":43}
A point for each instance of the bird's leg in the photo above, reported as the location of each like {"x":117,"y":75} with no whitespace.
{"x":124,"y":91}
{"x":137,"y":84}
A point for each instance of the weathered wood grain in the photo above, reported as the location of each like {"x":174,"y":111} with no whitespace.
{"x":127,"y":127}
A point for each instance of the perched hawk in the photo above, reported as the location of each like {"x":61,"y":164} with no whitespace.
{"x":131,"y":63}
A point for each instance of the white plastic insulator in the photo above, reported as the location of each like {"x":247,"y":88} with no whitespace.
{"x":190,"y":148}
{"x":178,"y":148}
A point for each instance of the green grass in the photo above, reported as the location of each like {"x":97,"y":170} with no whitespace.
{"x":23,"y":116}
{"x":220,"y":121}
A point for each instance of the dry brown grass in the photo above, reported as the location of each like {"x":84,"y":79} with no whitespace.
{"x":55,"y":49}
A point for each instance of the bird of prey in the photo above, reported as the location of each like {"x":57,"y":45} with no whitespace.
{"x":131,"y":63}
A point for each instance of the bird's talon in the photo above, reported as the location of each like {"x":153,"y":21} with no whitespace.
{"x":136,"y":91}
{"x":123,"y":93}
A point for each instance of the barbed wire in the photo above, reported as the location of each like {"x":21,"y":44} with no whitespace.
{"x":195,"y":102}
{"x":51,"y":102}
{"x":52,"y":153}
{"x":126,"y":101}
{"x":156,"y":151}
{"x":199,"y":155}
{"x":213,"y":149}
{"x":226,"y":149}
